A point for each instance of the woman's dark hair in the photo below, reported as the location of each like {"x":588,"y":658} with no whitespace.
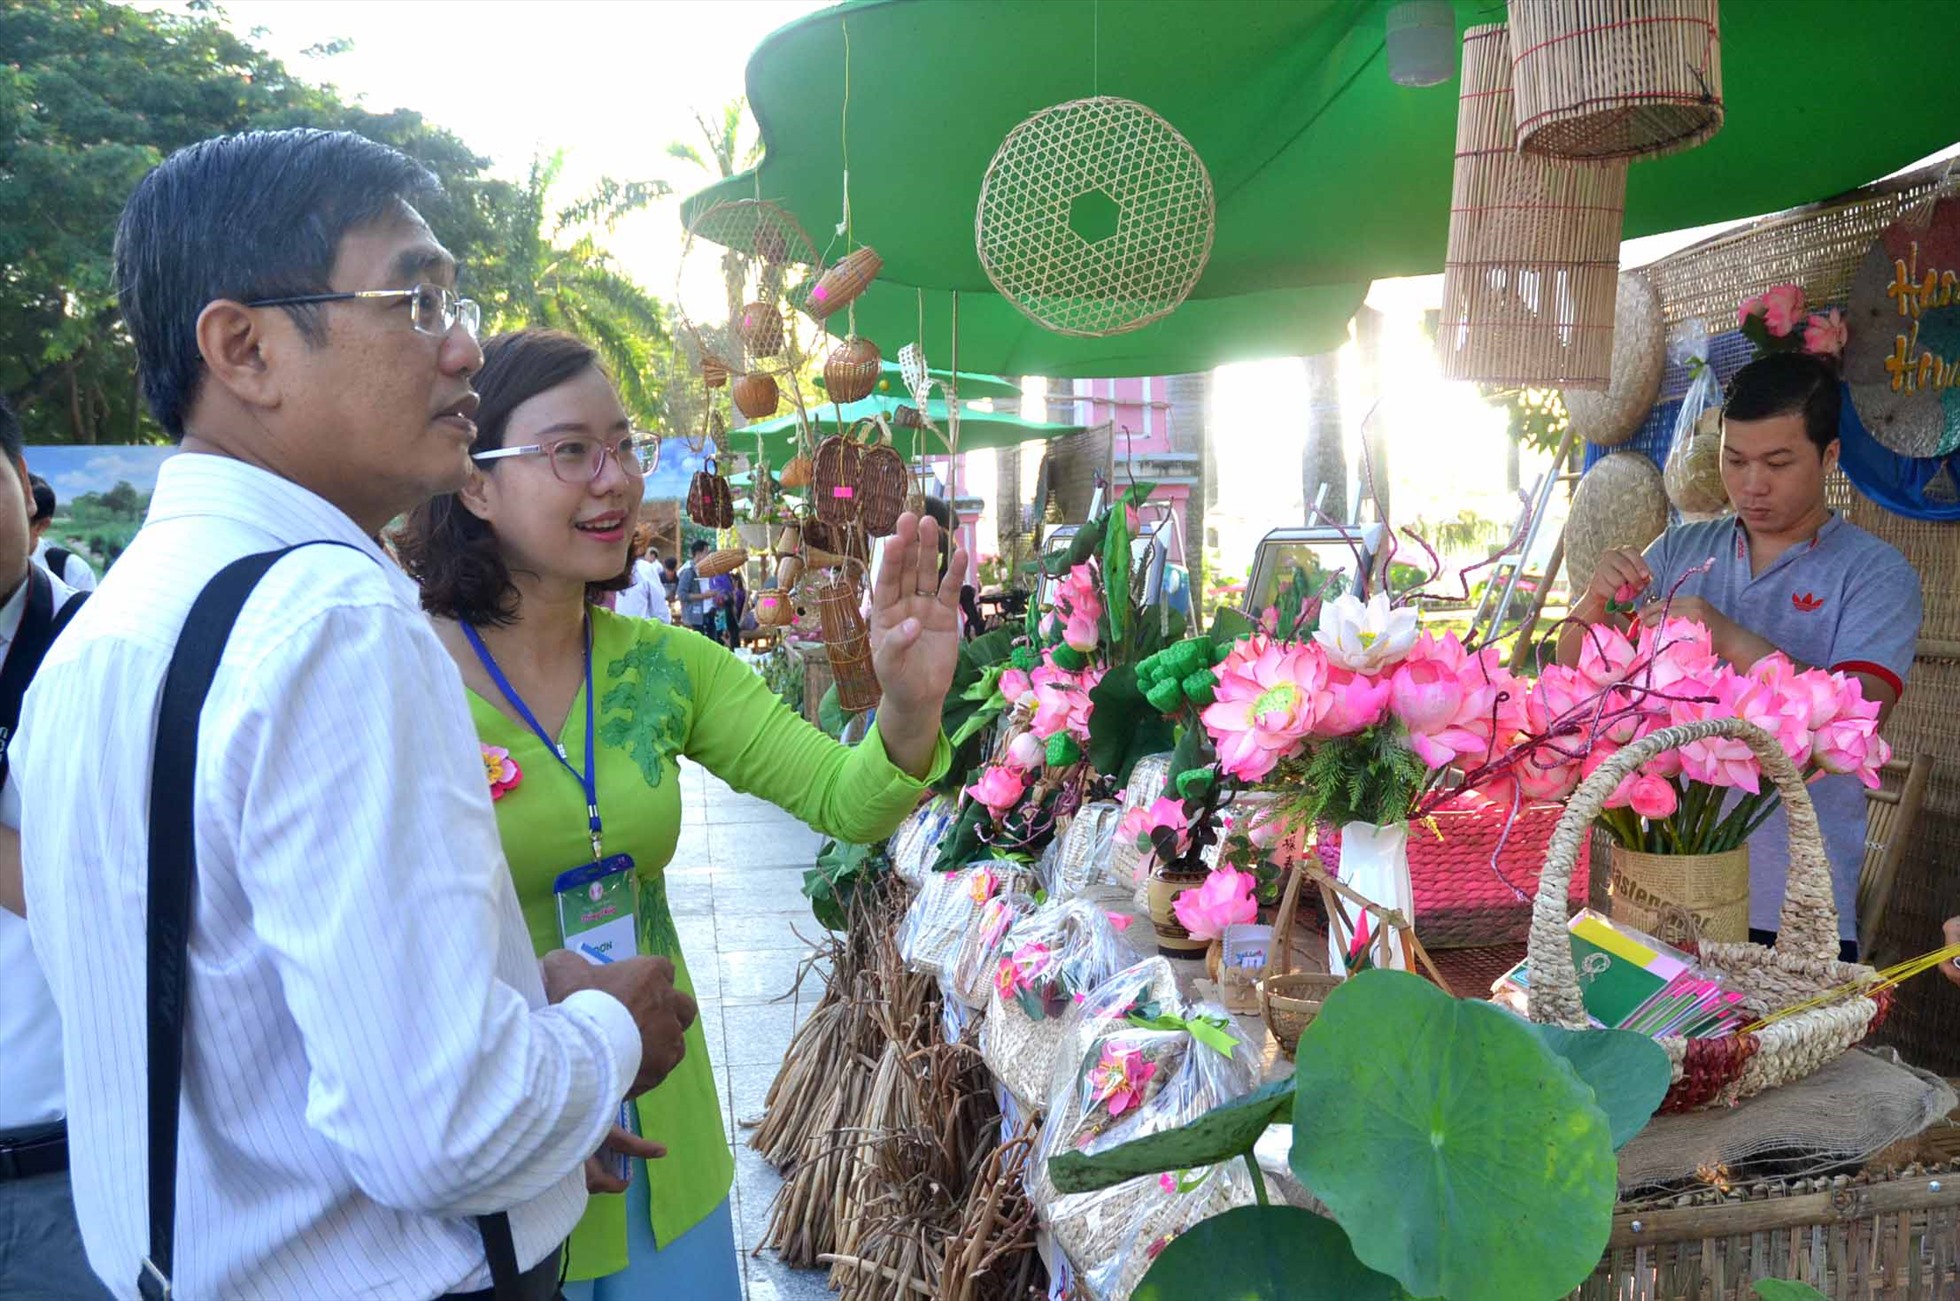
{"x":449,"y":551}
{"x":258,"y":215}
{"x":1788,"y":384}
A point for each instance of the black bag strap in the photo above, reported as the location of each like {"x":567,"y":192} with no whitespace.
{"x":57,"y":562}
{"x":24,"y":655}
{"x":172,"y":877}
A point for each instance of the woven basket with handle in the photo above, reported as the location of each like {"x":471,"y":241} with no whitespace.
{"x":883,"y":483}
{"x":1289,"y":1000}
{"x":1802,"y":963}
{"x":833,"y":493}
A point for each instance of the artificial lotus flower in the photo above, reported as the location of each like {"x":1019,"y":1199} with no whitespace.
{"x":1080,"y":594}
{"x":1606,"y":655}
{"x":1225,"y":899}
{"x":1119,"y":1076}
{"x":501,"y":770}
{"x":1365,"y":638}
{"x":1652,"y":797}
{"x":1783,"y":309}
{"x":1849,"y":741}
{"x":1270,"y":694}
{"x":1161,"y":814}
{"x":1062,"y":701}
{"x":1000,"y":788}
{"x":1717,"y":760}
{"x":1455,"y":704}
{"x":982,"y":885}
{"x":1080,"y":632}
{"x":1013,"y":684}
{"x":1827,"y":334}
{"x":1356,"y":702}
{"x":1026,"y":752}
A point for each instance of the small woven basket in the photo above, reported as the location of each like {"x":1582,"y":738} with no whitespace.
{"x":847,"y":644}
{"x":851,"y":370}
{"x":1801,"y":965}
{"x":756,"y":396}
{"x":762,"y":329}
{"x":796,"y":472}
{"x":834,"y":488}
{"x":840,"y":286}
{"x":724,"y":560}
{"x":774,"y":608}
{"x":1604,"y":79}
{"x":709,"y":501}
{"x":1289,"y":1000}
{"x":714,"y":371}
{"x":883,"y":485}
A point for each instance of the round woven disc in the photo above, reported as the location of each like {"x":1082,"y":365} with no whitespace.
{"x":1609,"y":418}
{"x":1095,"y":217}
{"x":1620,"y":503}
{"x":1911,"y":418}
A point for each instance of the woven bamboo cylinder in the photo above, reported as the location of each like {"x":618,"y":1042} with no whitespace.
{"x":847,"y":644}
{"x":1532,"y":273}
{"x":724,"y":560}
{"x":841,"y":284}
{"x":1606,"y":79}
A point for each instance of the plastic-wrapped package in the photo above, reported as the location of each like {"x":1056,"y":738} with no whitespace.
{"x":916,"y":842}
{"x":1150,"y":982}
{"x":973,"y":967}
{"x":1151,"y":1212}
{"x":1692,"y":473}
{"x":1083,"y":850}
{"x":1132,"y":1081}
{"x":1148,"y":780}
{"x":1049,"y":962}
{"x":945,"y":909}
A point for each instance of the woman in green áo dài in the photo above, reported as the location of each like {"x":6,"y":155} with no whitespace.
{"x":564,"y":690}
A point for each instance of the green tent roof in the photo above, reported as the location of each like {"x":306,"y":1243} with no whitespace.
{"x":973,"y":384}
{"x":978,"y":430}
{"x":1326,"y":173}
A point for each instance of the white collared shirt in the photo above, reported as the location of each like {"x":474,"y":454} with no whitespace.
{"x":30,"y":1028}
{"x":75,"y":572}
{"x":370,"y":1061}
{"x":647,"y":597}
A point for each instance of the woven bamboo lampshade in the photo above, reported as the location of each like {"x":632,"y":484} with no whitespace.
{"x":1600,"y":79}
{"x":1533,"y":267}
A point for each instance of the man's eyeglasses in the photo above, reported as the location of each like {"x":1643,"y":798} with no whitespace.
{"x":578,"y":459}
{"x":432,"y":309}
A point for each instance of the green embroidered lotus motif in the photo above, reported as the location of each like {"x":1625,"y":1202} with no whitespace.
{"x":646,"y":708}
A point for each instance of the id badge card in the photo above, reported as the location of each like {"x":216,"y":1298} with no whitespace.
{"x":598,"y":909}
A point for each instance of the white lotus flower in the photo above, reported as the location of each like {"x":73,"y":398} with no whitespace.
{"x":1365,"y":638}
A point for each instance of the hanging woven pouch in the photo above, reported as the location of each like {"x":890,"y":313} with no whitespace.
{"x":834,"y":489}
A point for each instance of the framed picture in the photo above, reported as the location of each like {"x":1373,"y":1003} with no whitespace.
{"x":1336,"y":560}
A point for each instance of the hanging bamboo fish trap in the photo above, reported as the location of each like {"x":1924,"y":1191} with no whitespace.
{"x":1606,"y":79}
{"x":846,"y":643}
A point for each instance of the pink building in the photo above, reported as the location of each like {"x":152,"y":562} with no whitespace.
{"x":1138,"y":411}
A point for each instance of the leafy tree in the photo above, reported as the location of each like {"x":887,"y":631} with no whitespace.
{"x":548,"y":268}
{"x":93,"y":94}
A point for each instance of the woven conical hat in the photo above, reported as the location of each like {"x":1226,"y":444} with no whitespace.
{"x":1620,"y":503}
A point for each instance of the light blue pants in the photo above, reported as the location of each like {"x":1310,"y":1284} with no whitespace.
{"x":700,"y":1265}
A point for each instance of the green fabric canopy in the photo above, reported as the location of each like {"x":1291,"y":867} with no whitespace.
{"x":978,"y":430}
{"x":1326,"y":173}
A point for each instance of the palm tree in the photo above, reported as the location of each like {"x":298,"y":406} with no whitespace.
{"x":726,"y":154}
{"x":553,"y":271}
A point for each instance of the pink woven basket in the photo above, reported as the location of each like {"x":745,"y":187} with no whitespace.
{"x":1463,"y":900}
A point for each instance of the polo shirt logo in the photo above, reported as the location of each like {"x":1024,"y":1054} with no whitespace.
{"x":1806,"y":602}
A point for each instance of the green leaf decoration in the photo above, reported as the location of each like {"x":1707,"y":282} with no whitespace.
{"x":1785,"y":1289}
{"x":1263,"y":1253}
{"x":1628,"y":1073}
{"x":1228,"y":625}
{"x":1116,"y":574}
{"x":1222,"y":1134}
{"x":1462,"y":1155}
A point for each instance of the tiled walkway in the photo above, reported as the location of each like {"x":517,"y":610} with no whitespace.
{"x":736,"y":890}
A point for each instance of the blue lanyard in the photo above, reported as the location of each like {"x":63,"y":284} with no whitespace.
{"x":589,"y":779}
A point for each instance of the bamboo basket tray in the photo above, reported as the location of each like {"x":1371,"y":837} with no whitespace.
{"x":1802,"y":964}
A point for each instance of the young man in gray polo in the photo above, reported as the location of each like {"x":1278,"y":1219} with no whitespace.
{"x":1784,"y":573}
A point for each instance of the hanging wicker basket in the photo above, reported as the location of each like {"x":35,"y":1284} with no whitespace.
{"x":709,"y":502}
{"x":788,"y":570}
{"x":833,"y":545}
{"x":883,"y":485}
{"x":1605,"y":79}
{"x":1609,"y":418}
{"x":834,"y":485}
{"x":1531,"y":277}
{"x":796,"y":472}
{"x":775,"y":608}
{"x":1289,"y":1000}
{"x":1801,"y":965}
{"x":850,"y":372}
{"x":762,"y":329}
{"x":847,"y":644}
{"x":724,"y":560}
{"x":841,"y":285}
{"x":714,"y":371}
{"x":756,"y":396}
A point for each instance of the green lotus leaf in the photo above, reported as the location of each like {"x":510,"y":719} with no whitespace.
{"x":1629,"y":1073}
{"x":1224,"y":1132}
{"x":1462,"y":1155}
{"x":1261,"y":1253}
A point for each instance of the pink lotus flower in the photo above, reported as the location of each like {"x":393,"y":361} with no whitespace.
{"x":1119,"y":1077}
{"x":982,"y":885}
{"x":1000,"y":788}
{"x":1455,"y":704}
{"x":1079,"y":633}
{"x":1606,"y":656}
{"x":1062,"y":701}
{"x":1163,"y":813}
{"x":1750,"y":307}
{"x":502,"y":771}
{"x":1425,"y":694}
{"x":1080,"y":594}
{"x":1026,"y":752}
{"x":1826,"y":335}
{"x":1718,"y":760}
{"x":1783,"y":309}
{"x":1270,"y":695}
{"x":1849,"y":741}
{"x":1225,"y":899}
{"x":1013,"y":684}
{"x":1356,"y":702}
{"x":1652,"y":797}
